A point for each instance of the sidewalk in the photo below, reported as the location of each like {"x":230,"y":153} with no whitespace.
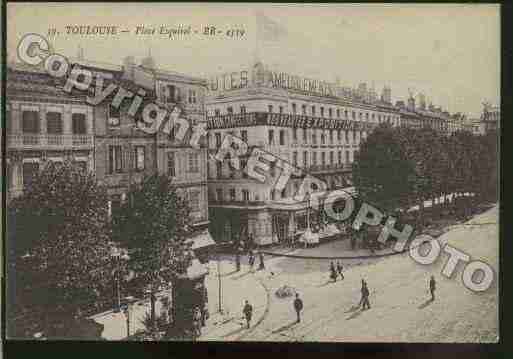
{"x":236,"y":287}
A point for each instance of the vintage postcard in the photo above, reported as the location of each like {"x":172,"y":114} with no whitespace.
{"x":252,"y":172}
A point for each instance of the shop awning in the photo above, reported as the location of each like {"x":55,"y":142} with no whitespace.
{"x":196,"y":270}
{"x":201,"y":240}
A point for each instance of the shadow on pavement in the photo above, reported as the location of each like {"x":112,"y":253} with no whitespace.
{"x":285,"y":327}
{"x":328,"y":282}
{"x":242,"y":275}
{"x":426,"y":303}
{"x":353,"y":308}
{"x":354,"y":315}
{"x":236,"y":331}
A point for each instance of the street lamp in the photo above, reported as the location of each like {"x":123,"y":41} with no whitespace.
{"x":127,"y":307}
{"x":219,"y":280}
{"x":117,"y":257}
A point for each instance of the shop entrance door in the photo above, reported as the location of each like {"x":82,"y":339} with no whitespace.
{"x":280,"y":227}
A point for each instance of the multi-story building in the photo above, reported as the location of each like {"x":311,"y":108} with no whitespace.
{"x":304,"y":122}
{"x":43,"y":123}
{"x":490,"y":118}
{"x":125,"y":154}
{"x":422,"y":116}
{"x":46,"y":123}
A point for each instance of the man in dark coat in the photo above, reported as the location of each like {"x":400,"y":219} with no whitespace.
{"x":261,"y":257}
{"x":251,"y":259}
{"x":333,"y":272}
{"x":248,"y":312}
{"x":298,"y":307}
{"x":339,"y":270}
{"x":432,"y":287}
{"x":365,"y":296}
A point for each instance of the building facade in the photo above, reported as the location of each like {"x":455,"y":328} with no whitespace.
{"x":312,"y":126}
{"x":43,"y":123}
{"x":46,"y":123}
{"x":490,"y":118}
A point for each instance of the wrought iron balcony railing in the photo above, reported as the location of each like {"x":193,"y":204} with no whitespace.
{"x":48,"y":141}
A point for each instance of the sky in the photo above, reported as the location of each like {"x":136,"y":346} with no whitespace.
{"x":451,"y":53}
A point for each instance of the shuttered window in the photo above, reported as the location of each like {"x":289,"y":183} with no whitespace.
{"x":54,"y":123}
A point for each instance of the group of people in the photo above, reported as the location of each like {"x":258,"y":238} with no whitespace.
{"x":251,"y":259}
{"x":336,"y":271}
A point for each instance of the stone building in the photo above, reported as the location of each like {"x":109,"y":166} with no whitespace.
{"x":304,"y":122}
{"x":46,"y":123}
{"x":43,"y":123}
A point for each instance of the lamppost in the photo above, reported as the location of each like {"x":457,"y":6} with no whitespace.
{"x":127,"y":306}
{"x":117,"y":259}
{"x":219,"y":281}
{"x":308,"y":210}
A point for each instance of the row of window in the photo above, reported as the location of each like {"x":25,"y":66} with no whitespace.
{"x":232,"y":193}
{"x":325,"y":158}
{"x":30,"y":169}
{"x":245,"y":196}
{"x":171,"y":94}
{"x":323,"y":112}
{"x":31,"y":122}
{"x":116,"y":160}
{"x":324,"y":136}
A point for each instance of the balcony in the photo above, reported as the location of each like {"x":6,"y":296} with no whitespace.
{"x":49,"y":141}
{"x":329,"y":168}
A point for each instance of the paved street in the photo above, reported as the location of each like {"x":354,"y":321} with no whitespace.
{"x":400,"y":310}
{"x":230,"y":325}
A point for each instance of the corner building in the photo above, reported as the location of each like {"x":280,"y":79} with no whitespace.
{"x":313,"y":125}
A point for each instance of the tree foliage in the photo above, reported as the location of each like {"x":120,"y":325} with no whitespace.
{"x":402,"y":166}
{"x":58,"y":241}
{"x":154,"y":224}
{"x":383,"y":171}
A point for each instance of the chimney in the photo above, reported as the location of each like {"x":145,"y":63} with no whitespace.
{"x":128,"y":68}
{"x":422,"y":101}
{"x":148,"y":63}
{"x":411,"y":104}
{"x":386,"y":95}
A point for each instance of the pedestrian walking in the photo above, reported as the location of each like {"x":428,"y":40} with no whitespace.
{"x":340,"y":269}
{"x":262,"y":264}
{"x":298,"y":307}
{"x":251,"y":259}
{"x":432,"y":287}
{"x":248,"y":312}
{"x":365,"y":296}
{"x":333,"y":272}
